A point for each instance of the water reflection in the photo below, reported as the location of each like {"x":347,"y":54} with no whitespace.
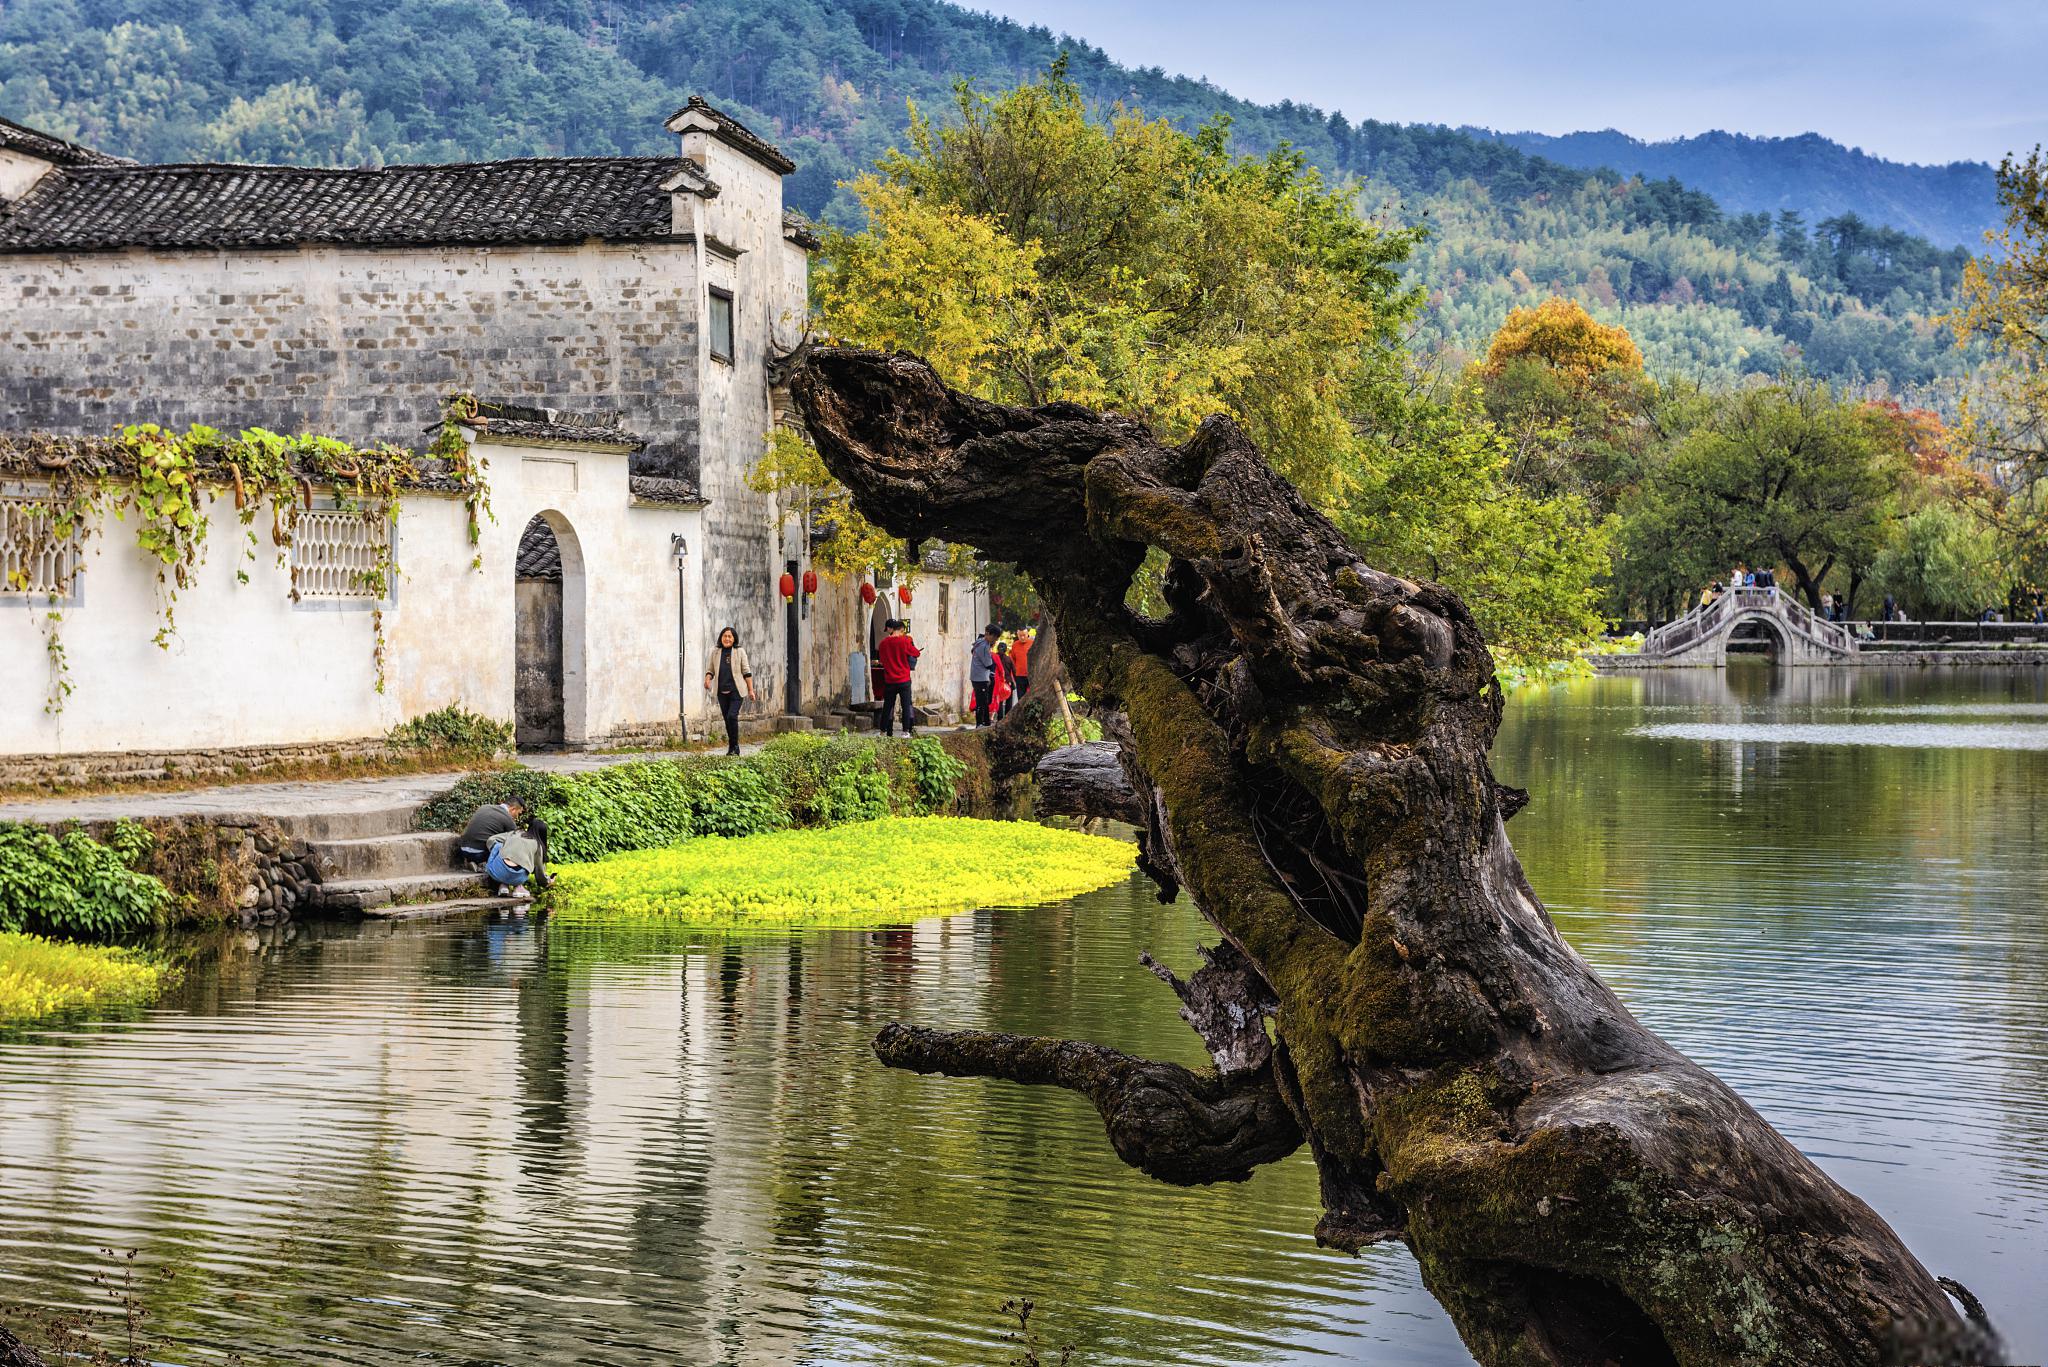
{"x":508,"y":1143}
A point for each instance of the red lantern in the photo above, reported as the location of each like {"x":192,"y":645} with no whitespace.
{"x":867,"y":595}
{"x":788,"y":587}
{"x":810,"y":582}
{"x":903,"y":594}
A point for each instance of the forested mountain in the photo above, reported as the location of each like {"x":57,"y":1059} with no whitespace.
{"x":1953,"y":205}
{"x":349,"y":81}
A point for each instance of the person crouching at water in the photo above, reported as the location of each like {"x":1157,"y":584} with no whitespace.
{"x":485,"y":823}
{"x":517,"y":858}
{"x":728,"y":675}
{"x":897,"y":654}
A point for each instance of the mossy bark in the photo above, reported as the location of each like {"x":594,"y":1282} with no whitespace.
{"x":1308,"y":738}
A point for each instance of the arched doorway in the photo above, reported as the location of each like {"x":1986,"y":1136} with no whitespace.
{"x":548,"y":664}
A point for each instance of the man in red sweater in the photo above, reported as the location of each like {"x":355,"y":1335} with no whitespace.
{"x":898,"y":656}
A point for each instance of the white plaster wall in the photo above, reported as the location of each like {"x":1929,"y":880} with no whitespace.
{"x":18,"y":172}
{"x":249,"y":667}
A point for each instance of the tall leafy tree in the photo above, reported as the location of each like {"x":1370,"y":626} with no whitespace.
{"x":1788,"y":474}
{"x":1037,"y":254}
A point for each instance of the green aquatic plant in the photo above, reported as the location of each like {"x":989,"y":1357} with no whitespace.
{"x":871,"y":873}
{"x":40,"y":977}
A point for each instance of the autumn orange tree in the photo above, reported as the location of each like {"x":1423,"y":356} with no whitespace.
{"x":1570,"y":396}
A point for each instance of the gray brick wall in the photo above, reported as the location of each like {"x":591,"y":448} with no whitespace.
{"x":355,"y":343}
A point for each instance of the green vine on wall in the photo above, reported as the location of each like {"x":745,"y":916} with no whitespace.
{"x":460,"y":410}
{"x":162,"y":477}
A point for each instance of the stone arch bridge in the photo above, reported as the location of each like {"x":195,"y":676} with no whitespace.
{"x":1792,"y":634}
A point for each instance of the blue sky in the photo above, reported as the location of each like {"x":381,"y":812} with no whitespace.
{"x":1933,"y":81}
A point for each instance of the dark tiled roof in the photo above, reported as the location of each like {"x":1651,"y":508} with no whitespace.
{"x":797,"y":229}
{"x":498,"y":419}
{"x":570,"y":199}
{"x":681,"y":493}
{"x":733,"y":133}
{"x":31,"y":142}
{"x":540,"y":555}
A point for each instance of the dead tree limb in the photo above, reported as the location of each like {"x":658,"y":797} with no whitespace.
{"x":1087,"y":780}
{"x":1309,"y":738}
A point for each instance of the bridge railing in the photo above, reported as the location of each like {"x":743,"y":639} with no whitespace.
{"x":1709,"y":618}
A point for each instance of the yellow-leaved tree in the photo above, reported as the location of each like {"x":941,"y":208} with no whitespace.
{"x":1033,"y":253}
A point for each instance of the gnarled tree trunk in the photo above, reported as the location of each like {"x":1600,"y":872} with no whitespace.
{"x":1308,"y":741}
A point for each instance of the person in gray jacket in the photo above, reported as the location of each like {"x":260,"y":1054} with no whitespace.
{"x":729,"y":676}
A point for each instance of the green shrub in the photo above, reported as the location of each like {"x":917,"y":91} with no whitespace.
{"x":736,"y":799}
{"x":934,"y":777}
{"x":72,"y":884}
{"x":451,"y":811}
{"x":453,"y":728}
{"x":799,"y":779}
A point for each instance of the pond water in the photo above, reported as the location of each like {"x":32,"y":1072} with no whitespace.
{"x":507,"y":1143}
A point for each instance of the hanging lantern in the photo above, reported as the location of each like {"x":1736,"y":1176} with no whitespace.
{"x":788,"y":587}
{"x":867,"y":595}
{"x":903,"y":594}
{"x":810,"y":582}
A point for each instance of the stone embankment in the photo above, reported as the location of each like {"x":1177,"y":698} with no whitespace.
{"x":262,"y":853}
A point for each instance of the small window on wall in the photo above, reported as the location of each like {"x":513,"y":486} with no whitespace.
{"x":721,"y":325}
{"x":338,"y":555}
{"x":945,"y":608}
{"x":32,"y":560}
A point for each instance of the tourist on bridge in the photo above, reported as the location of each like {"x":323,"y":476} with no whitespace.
{"x":730,"y":671}
{"x":897,"y":654}
{"x":1766,"y":578}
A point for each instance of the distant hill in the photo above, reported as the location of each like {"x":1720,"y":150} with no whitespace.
{"x":1951,"y":205}
{"x":1708,"y":293}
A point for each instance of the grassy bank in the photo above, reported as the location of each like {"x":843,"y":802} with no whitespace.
{"x":40,"y":977}
{"x":882,"y":872}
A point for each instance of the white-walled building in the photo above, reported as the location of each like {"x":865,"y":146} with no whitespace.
{"x":616,"y":316}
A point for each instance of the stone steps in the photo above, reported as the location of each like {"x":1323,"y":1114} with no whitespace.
{"x":383,"y":856}
{"x":454,"y":906}
{"x":362,"y":896}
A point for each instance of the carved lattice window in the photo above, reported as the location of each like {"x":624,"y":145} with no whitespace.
{"x":337,"y":555}
{"x":30,"y":562}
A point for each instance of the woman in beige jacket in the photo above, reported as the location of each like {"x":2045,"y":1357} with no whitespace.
{"x":728,"y":675}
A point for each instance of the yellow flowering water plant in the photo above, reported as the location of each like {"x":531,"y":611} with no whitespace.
{"x":865,"y":873}
{"x":40,"y":977}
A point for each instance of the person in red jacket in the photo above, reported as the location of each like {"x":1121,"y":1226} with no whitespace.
{"x":999,"y":682}
{"x":898,"y":656}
